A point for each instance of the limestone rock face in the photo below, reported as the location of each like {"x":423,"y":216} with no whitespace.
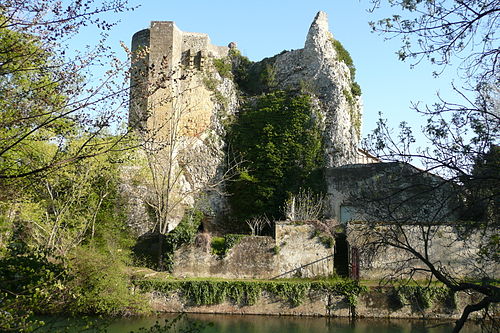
{"x":316,"y":69}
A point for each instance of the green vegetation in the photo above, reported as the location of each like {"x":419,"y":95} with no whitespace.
{"x":67,"y":246}
{"x":355,"y":89}
{"x":221,"y":245}
{"x":248,"y":292}
{"x":30,"y":98}
{"x":253,"y":78}
{"x":63,"y":240}
{"x":423,"y":297}
{"x":277,"y":137}
{"x":344,"y":56}
{"x":325,"y":239}
{"x":146,"y":250}
{"x":223,"y":67}
{"x":100,"y":284}
{"x":354,"y":113}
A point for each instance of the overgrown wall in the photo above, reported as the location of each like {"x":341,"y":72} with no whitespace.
{"x":306,"y":298}
{"x":296,"y":246}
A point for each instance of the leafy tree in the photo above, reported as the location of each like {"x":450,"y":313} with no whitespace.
{"x":280,"y":143}
{"x":45,"y":94}
{"x":67,"y":244}
{"x":58,"y":188}
{"x":463,"y":134}
{"x":441,"y":30}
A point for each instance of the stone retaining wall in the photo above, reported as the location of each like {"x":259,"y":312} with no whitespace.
{"x":377,"y":303}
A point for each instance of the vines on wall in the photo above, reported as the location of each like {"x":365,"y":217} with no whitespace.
{"x":423,"y":297}
{"x":280,"y":143}
{"x":248,"y":292}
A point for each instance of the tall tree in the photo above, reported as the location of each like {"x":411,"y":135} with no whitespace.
{"x":462,"y":133}
{"x":45,"y":90}
{"x":55,"y":121}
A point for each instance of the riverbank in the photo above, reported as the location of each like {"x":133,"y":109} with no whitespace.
{"x":302,"y":297}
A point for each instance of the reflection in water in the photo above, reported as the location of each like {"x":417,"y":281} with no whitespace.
{"x":285,"y":324}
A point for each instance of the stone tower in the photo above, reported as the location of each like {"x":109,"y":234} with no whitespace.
{"x":164,"y":77}
{"x":175,"y":109}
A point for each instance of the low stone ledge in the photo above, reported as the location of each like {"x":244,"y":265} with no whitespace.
{"x":377,"y":302}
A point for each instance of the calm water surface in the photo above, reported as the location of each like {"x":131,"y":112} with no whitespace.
{"x":275,"y":324}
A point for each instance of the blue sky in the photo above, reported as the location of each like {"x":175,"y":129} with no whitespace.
{"x":265,"y":28}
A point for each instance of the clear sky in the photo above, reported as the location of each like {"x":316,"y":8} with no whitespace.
{"x":265,"y":28}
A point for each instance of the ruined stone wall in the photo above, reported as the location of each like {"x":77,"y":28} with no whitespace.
{"x":447,"y":249}
{"x":298,"y":246}
{"x":290,"y":254}
{"x":251,"y":258}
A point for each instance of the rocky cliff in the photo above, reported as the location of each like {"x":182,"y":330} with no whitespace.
{"x":319,"y":69}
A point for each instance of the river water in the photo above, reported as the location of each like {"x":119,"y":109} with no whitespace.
{"x":268,"y":324}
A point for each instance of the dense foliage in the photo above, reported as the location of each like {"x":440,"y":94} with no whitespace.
{"x":253,"y":78}
{"x":279,"y":141}
{"x":156,"y":250}
{"x":66,"y":246}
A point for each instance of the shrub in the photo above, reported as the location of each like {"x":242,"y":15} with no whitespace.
{"x":218,"y":246}
{"x":355,"y":89}
{"x":221,"y":245}
{"x":100,"y":284}
{"x":223,"y":67}
{"x":344,"y":56}
{"x":147,"y":248}
{"x":30,"y":283}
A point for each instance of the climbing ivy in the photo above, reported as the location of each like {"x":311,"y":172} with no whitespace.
{"x":422,"y":296}
{"x":280,"y":143}
{"x":248,"y":292}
